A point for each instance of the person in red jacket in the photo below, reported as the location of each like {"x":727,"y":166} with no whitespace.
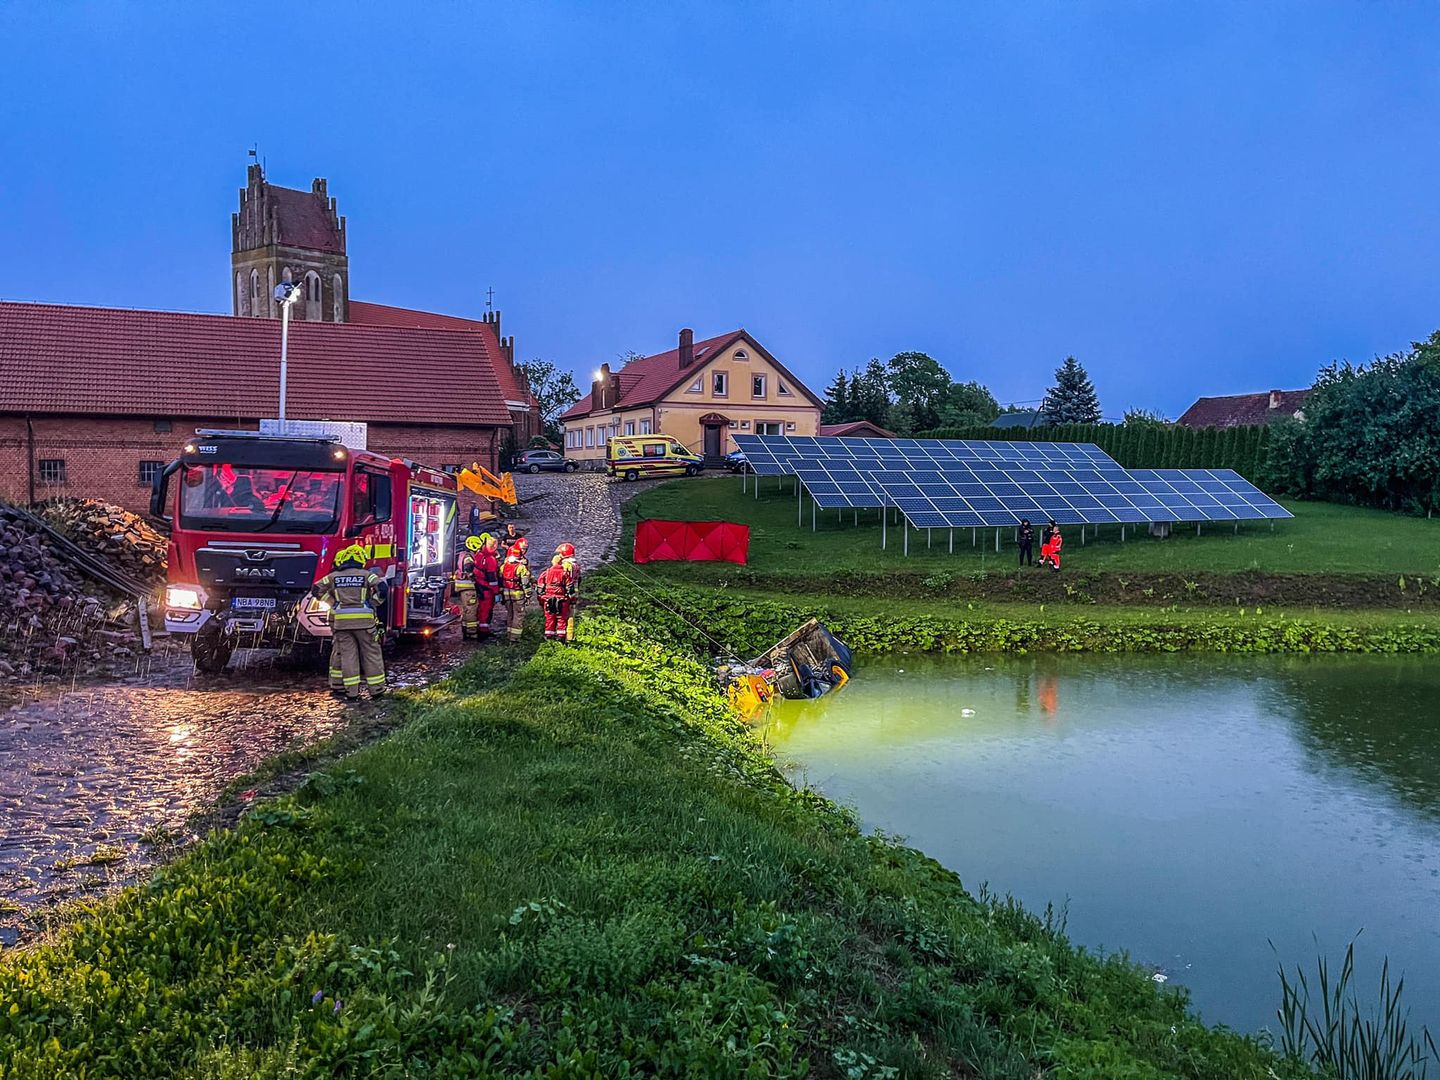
{"x":515,"y":588}
{"x":566,"y":551}
{"x":1050,"y":550}
{"x":487,"y":582}
{"x":553,"y":585}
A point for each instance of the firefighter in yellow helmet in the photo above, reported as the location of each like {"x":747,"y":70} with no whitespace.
{"x":356,"y":598}
{"x":465,"y":590}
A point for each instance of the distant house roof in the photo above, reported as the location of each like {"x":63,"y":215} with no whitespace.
{"x":109,"y":361}
{"x":1235,"y":410}
{"x":647,"y":379}
{"x":1031,"y":418}
{"x":367,"y":314}
{"x":857,"y":428}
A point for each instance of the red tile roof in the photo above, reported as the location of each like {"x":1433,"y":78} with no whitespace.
{"x":303,"y":219}
{"x":863,"y":428}
{"x":1235,"y":410}
{"x":647,"y":379}
{"x":107,"y":361}
{"x":367,"y":314}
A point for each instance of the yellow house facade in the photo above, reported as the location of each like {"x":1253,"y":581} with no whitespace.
{"x":702,"y":393}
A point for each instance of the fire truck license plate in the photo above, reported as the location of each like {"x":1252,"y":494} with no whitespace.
{"x":254,"y":603}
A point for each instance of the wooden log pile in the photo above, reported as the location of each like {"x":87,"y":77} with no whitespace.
{"x":53,"y":622}
{"x":124,"y":540}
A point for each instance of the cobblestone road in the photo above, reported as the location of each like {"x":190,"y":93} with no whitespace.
{"x":93,"y":778}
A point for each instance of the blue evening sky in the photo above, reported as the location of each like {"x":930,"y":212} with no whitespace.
{"x":1191,"y":198}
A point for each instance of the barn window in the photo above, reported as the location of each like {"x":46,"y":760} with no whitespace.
{"x":148,"y":471}
{"x":52,"y":472}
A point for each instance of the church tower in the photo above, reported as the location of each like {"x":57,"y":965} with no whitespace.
{"x":284,"y":234}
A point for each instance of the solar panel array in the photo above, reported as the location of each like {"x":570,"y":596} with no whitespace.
{"x":939,"y":483}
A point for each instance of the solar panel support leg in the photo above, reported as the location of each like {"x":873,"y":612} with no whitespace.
{"x":1237,"y":528}
{"x":997,"y":540}
{"x":800,"y":509}
{"x":974,"y":537}
{"x":744,"y":481}
{"x":905,"y":525}
{"x":1122,"y":534}
{"x":928,"y":538}
{"x":1082,"y":535}
{"x":812,"y":515}
{"x":1197,"y":528}
{"x":952,"y":541}
{"x":856,"y":522}
{"x":883,"y":527}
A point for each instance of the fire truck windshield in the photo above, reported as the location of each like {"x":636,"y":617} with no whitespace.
{"x":239,"y":498}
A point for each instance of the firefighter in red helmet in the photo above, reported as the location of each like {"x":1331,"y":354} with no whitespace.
{"x":487,"y":581}
{"x":571,"y":565}
{"x":515,"y":588}
{"x":553,"y":585}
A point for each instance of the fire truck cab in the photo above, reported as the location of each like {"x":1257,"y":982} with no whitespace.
{"x":258,"y":518}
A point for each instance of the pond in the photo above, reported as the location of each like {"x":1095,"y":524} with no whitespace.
{"x":1187,"y":810}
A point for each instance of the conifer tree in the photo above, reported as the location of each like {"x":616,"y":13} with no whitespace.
{"x":1072,"y":399}
{"x":837,"y":400}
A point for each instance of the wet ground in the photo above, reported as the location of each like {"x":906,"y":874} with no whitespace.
{"x":98,"y":781}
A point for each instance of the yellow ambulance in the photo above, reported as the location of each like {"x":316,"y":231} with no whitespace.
{"x":632,"y":456}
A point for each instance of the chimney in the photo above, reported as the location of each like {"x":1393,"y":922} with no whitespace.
{"x":687,"y":347}
{"x":602,"y":390}
{"x":1274,"y":399}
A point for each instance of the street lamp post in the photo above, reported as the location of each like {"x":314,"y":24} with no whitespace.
{"x":286,"y":293}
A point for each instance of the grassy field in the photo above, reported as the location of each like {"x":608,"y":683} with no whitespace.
{"x":577,"y":864}
{"x":1322,"y":538}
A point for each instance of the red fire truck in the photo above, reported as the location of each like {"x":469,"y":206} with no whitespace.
{"x":257,"y":518}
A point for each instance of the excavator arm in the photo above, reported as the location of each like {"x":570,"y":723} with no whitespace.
{"x":487,"y":485}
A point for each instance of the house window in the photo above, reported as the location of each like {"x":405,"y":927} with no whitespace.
{"x":769,"y":427}
{"x":698,"y":386}
{"x":757,"y":386}
{"x":782,"y":388}
{"x":589,"y":436}
{"x":148,"y":471}
{"x":741,"y":354}
{"x":629,"y":427}
{"x":52,"y":472}
{"x":255,"y":292}
{"x":453,"y":470}
{"x":163,"y":427}
{"x":644,"y":427}
{"x":719,"y":384}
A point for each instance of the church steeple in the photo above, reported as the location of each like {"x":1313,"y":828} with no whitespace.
{"x":285,"y":234}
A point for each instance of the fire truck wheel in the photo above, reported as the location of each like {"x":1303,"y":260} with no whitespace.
{"x":533,"y":469}
{"x":210,"y":652}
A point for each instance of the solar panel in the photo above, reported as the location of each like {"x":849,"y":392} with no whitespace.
{"x":940,"y":483}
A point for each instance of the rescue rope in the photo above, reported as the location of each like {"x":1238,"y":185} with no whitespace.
{"x":655,"y":597}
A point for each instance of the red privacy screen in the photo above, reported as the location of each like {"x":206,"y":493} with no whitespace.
{"x":692,"y":541}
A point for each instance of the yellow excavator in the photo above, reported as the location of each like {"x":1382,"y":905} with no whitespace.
{"x":487,"y":485}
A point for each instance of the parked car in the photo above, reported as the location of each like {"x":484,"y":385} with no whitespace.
{"x":533,"y":461}
{"x":735,"y":461}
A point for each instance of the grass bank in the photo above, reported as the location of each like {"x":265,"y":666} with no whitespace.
{"x":1322,"y":539}
{"x":576,"y":864}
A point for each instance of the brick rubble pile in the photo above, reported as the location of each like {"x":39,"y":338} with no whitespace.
{"x":55,"y":623}
{"x":124,"y":540}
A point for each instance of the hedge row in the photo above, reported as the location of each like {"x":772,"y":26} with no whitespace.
{"x":1146,"y":446}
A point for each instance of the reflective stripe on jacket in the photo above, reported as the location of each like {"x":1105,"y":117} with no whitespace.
{"x":353,"y":596}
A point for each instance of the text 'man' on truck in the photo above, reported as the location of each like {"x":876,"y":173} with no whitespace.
{"x":256,"y":519}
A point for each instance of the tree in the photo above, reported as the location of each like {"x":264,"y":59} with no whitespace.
{"x":554,"y":389}
{"x":918,"y":382}
{"x":837,"y":400}
{"x":968,"y":404}
{"x":1072,"y":399}
{"x":1136,"y":417}
{"x":870,"y":394}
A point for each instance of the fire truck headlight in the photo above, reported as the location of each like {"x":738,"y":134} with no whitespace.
{"x":316,"y":604}
{"x":183,"y":596}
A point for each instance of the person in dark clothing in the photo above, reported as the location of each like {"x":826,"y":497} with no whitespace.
{"x":1026,"y":538}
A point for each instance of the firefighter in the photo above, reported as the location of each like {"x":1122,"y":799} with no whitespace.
{"x":355,"y":595}
{"x":566,"y":551}
{"x":1050,"y":552}
{"x":553,"y":586}
{"x":487,"y":581}
{"x":465,"y":588}
{"x":515,"y":588}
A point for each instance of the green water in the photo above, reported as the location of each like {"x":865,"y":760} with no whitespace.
{"x":1186,"y":809}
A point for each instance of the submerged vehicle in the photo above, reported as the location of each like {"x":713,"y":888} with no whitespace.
{"x":258,"y":518}
{"x":808,"y":663}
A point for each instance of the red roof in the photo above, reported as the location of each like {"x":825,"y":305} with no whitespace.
{"x":862,"y":428}
{"x":303,"y":219}
{"x":108,"y":361}
{"x":366,"y":314}
{"x":1236,"y":410}
{"x":647,"y":379}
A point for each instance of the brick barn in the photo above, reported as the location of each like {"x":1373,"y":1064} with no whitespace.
{"x":94,"y":400}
